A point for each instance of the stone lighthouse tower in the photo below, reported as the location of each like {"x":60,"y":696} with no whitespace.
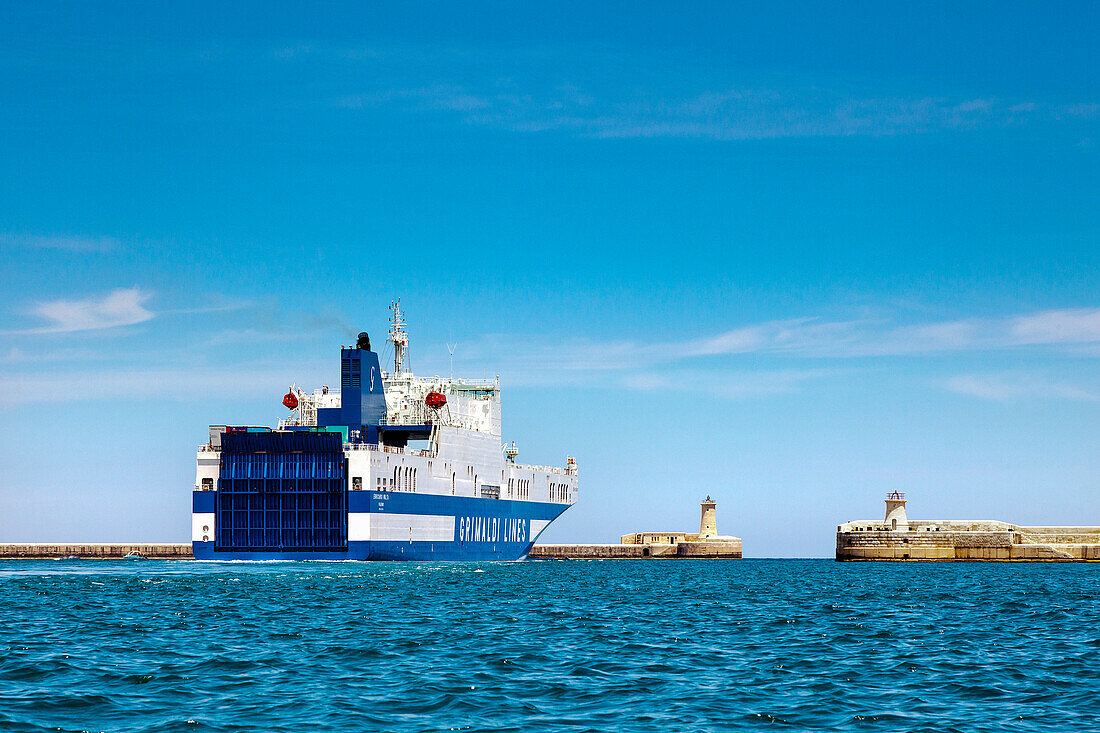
{"x":895,"y":512}
{"x":708,"y":524}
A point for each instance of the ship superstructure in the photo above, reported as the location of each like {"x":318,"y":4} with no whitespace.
{"x":391,"y":466}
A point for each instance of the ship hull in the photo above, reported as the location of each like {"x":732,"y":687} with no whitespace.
{"x":401,"y":526}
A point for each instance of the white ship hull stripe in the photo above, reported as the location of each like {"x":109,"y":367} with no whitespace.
{"x":400,"y":527}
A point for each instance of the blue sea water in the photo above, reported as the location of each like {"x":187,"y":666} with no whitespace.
{"x":579,"y":646}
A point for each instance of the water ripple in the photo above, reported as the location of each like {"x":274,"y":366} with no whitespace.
{"x":577,"y":646}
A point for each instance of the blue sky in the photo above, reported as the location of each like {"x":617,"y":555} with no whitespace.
{"x":791,"y":256}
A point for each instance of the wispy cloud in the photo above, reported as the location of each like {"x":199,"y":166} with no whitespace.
{"x":801,"y":335}
{"x":1009,"y":387}
{"x":231,"y":382}
{"x":726,"y":384}
{"x":250,"y":335}
{"x":727,"y":114}
{"x":120,"y":307}
{"x":633,"y":364}
{"x":729,"y":363}
{"x":439,"y":97}
{"x":602,"y":93}
{"x":1080,"y":325}
{"x":67,"y":242}
{"x":216,"y":305}
{"x":821,"y":338}
{"x":13,"y":355}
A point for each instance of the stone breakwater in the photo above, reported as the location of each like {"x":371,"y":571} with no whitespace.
{"x":719,"y":550}
{"x":96,"y":550}
{"x":962,"y":540}
{"x":169,"y":551}
{"x":704,"y":544}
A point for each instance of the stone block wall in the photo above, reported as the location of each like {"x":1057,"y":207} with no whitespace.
{"x":585,"y":552}
{"x":965,"y":545}
{"x":95,"y":551}
{"x":713,"y":549}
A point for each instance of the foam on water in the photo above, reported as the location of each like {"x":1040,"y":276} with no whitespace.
{"x":624,"y":646}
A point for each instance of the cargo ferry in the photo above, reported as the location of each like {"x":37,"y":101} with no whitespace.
{"x":389,"y":467}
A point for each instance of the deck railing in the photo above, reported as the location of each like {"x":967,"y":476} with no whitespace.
{"x":388,"y":449}
{"x":557,"y":470}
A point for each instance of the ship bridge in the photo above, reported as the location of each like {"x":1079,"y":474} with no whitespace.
{"x":394,"y":407}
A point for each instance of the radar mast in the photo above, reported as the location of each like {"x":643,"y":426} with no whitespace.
{"x":398,"y":337}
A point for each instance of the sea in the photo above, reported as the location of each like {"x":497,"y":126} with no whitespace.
{"x":655,"y":646}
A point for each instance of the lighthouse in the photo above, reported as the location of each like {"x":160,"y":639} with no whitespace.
{"x":708,"y":524}
{"x":895,"y":512}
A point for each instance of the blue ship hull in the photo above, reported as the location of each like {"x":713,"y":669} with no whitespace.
{"x":407,"y":526}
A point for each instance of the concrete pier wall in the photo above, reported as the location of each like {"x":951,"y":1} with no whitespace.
{"x":721,"y":549}
{"x":1008,"y":545}
{"x":898,"y":538}
{"x":95,"y":551}
{"x":585,"y":552}
{"x":169,"y":551}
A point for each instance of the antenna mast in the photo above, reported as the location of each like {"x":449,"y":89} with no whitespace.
{"x":398,"y":337}
{"x":451,"y":351}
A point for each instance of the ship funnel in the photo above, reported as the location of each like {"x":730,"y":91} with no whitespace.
{"x":363,"y":342}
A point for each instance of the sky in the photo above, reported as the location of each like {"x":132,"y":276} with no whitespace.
{"x":792,"y":256}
